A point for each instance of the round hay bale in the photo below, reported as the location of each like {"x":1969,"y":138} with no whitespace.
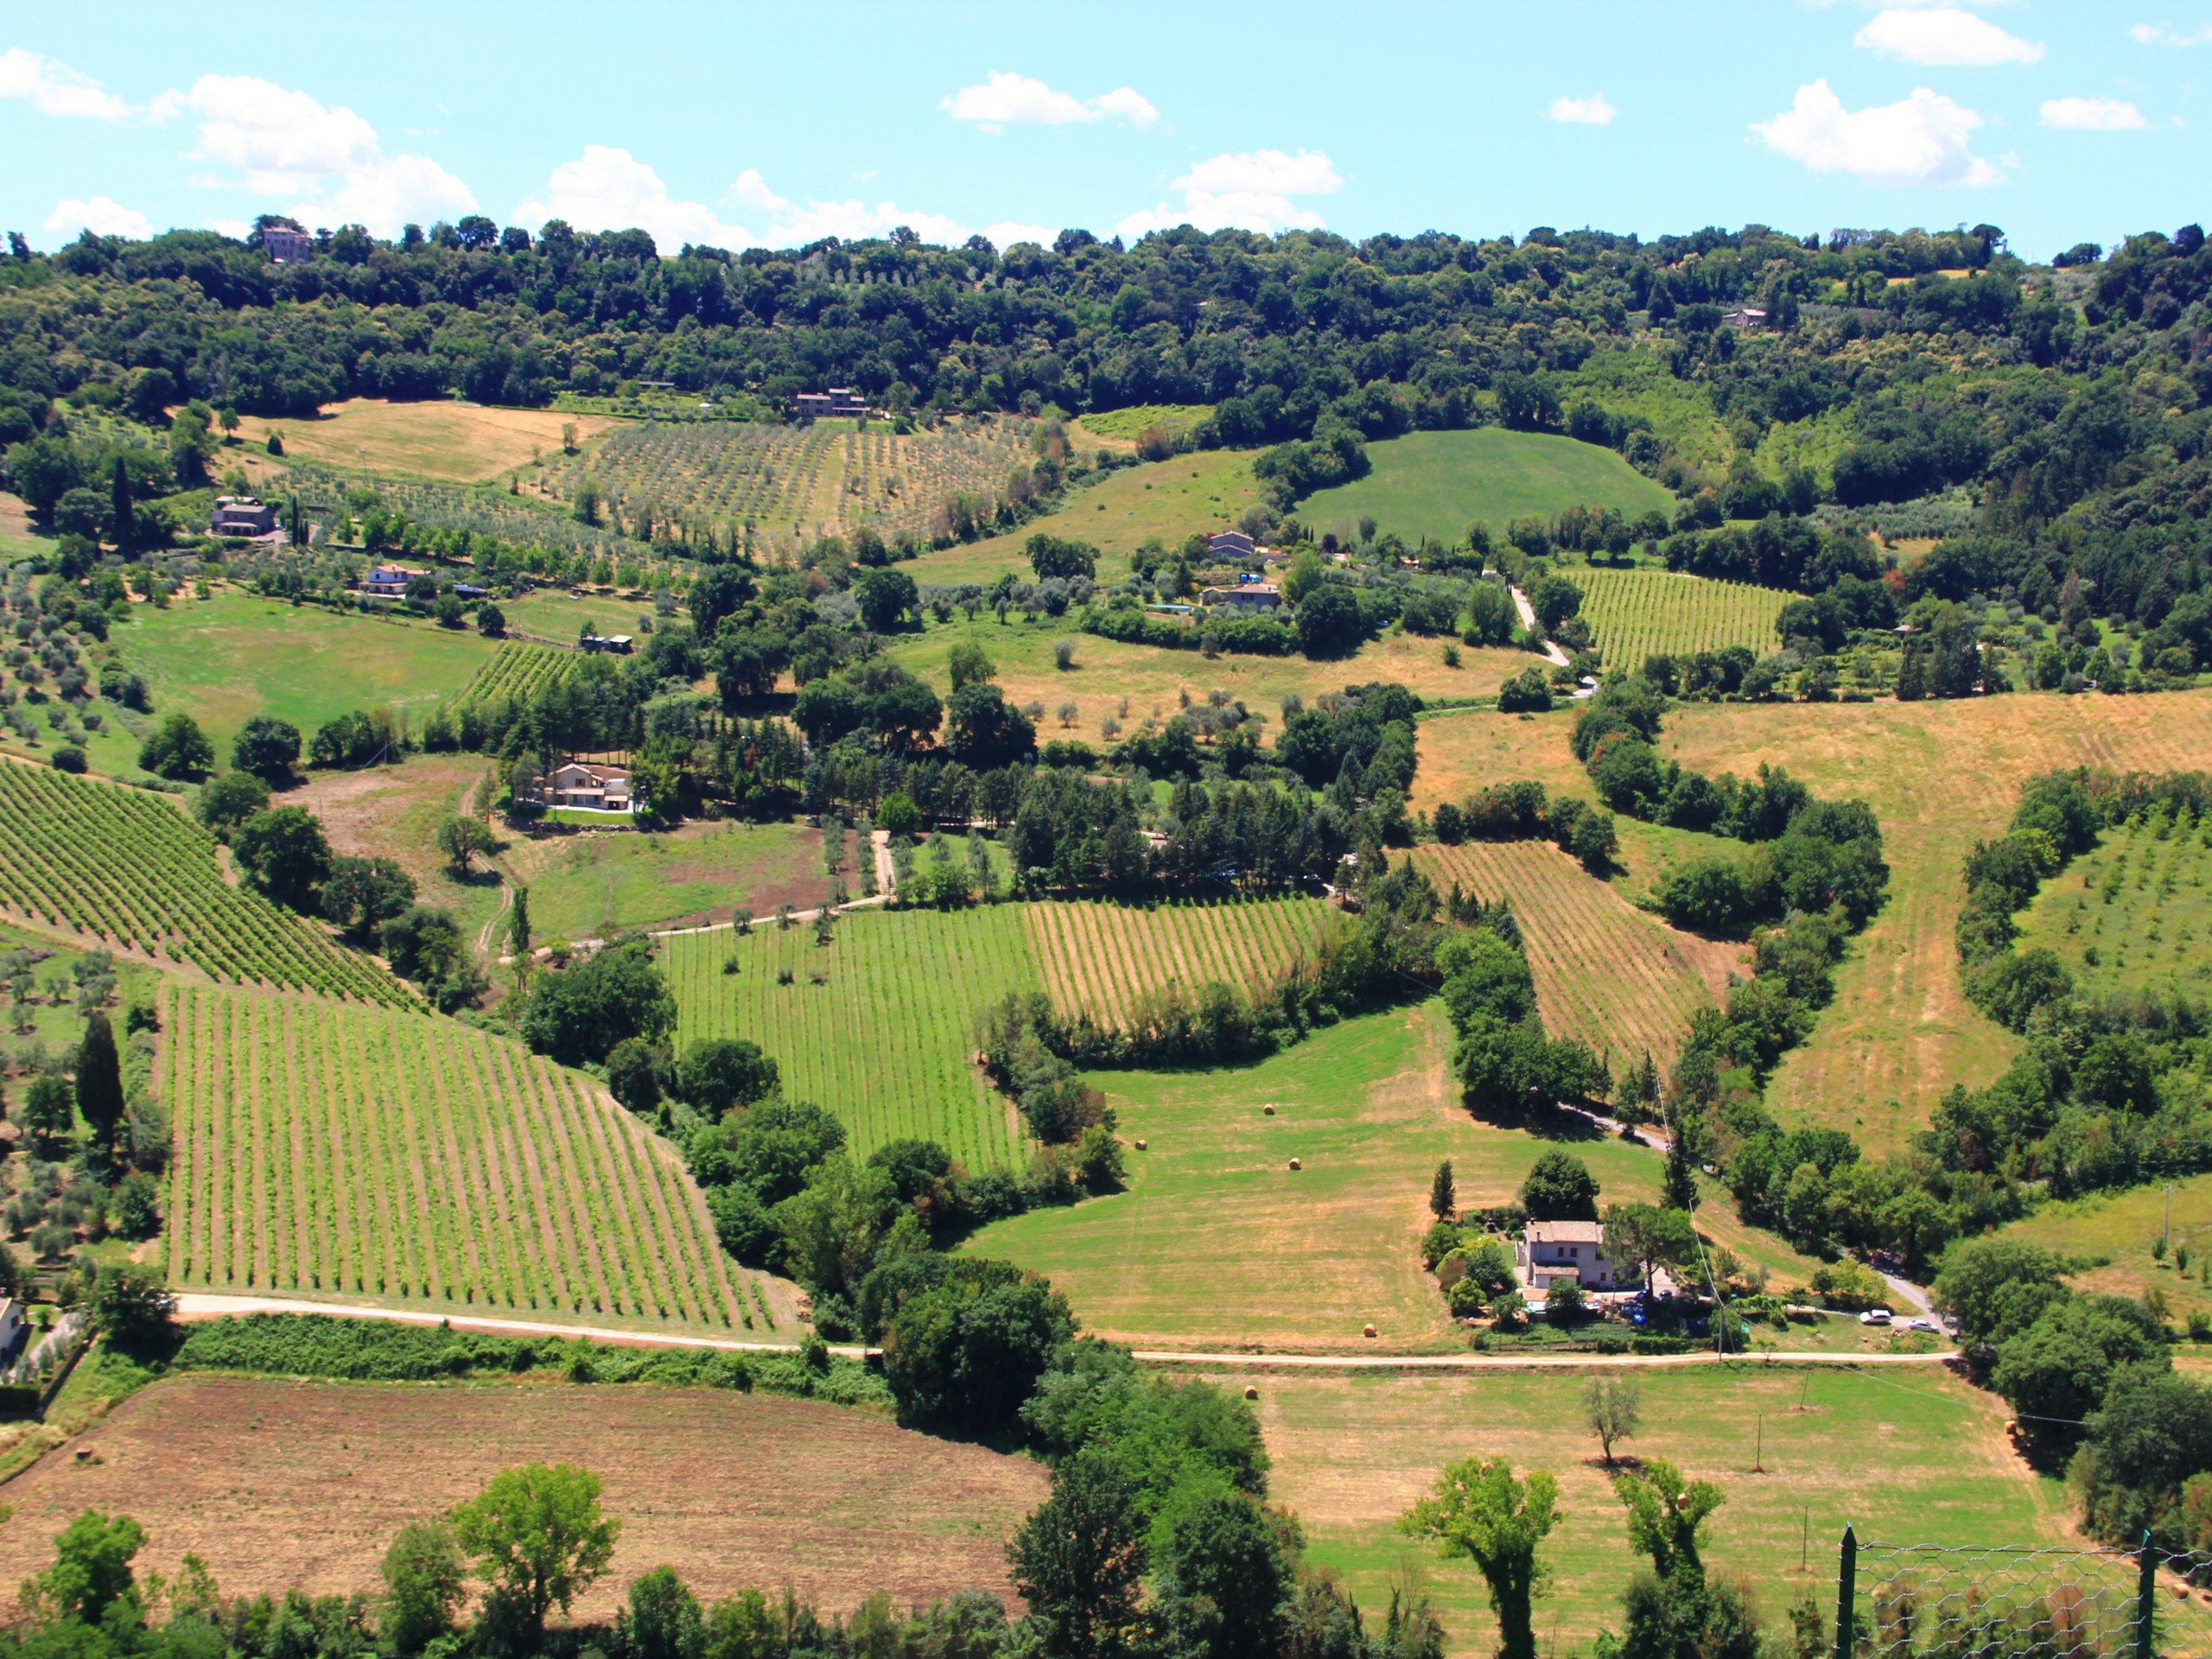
{"x":1140,"y":1144}
{"x":1251,"y":1393}
{"x":1295,"y":1164}
{"x":1268,"y":1110}
{"x":1368,"y":1330}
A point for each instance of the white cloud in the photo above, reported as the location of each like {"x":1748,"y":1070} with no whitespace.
{"x":100,"y":216}
{"x":1921,"y":140}
{"x":52,"y":87}
{"x":1252,"y":191}
{"x":2092,"y":114}
{"x":1595,"y":110}
{"x":280,"y":141}
{"x":609,"y":189}
{"x":1003,"y":99}
{"x":2167,"y":34}
{"x":1945,"y":36}
{"x":1007,"y":232}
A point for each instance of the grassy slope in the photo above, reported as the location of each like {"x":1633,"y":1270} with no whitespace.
{"x":226,"y":659}
{"x":1150,"y":676}
{"x":1906,"y":1455}
{"x":2111,"y":1235}
{"x":1205,"y":491}
{"x":1939,"y":775}
{"x":1218,"y":1241}
{"x":458,"y":442}
{"x":1435,"y":483}
{"x":1630,"y":381}
{"x":394,"y":812}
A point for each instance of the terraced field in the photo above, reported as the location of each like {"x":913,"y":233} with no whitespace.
{"x":128,"y":869}
{"x":1635,"y":614}
{"x":322,"y":1147}
{"x":878,"y":1026}
{"x":1098,"y":958}
{"x":1622,"y":980}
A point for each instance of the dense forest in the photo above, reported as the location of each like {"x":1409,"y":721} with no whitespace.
{"x":2055,"y":415}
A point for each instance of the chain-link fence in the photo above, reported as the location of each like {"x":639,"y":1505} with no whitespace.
{"x":1930,"y":1601}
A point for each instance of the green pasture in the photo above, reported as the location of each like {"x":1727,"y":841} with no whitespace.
{"x":2112,"y":1241}
{"x":593,"y":886}
{"x":1908,"y":1453}
{"x":1206,"y":491}
{"x":226,"y":659}
{"x":1127,"y":425}
{"x":1436,"y":484}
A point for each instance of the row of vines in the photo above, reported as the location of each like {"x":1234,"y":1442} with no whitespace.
{"x":517,"y":672}
{"x":326,"y":1147}
{"x":1098,"y":959}
{"x":128,"y":869}
{"x":1637,"y":614}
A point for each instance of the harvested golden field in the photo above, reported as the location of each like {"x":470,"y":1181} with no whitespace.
{"x":1621,"y":980}
{"x":1097,"y":959}
{"x":278,"y":1484}
{"x":460,"y":442}
{"x":1939,"y":776}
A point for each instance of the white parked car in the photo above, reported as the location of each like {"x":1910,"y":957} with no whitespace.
{"x":1925,"y":1325}
{"x":1875,"y":1316}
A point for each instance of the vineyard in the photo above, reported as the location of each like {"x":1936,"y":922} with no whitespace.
{"x":322,"y":1147}
{"x":1623,"y":981}
{"x":1096,"y":958}
{"x":518,"y":672}
{"x":794,"y":484}
{"x":130,"y":869}
{"x":1637,"y":614}
{"x":483,"y":509}
{"x":878,"y":1026}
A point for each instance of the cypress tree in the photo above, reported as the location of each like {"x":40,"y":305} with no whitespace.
{"x":100,"y":1079}
{"x":1682,"y":1177}
{"x":1443,"y":1195}
{"x":119,"y":488}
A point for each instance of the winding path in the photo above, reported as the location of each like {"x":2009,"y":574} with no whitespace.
{"x":1553,"y":654}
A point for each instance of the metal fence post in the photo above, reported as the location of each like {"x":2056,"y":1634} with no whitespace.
{"x":2146,"y":1591}
{"x":1845,"y":1591}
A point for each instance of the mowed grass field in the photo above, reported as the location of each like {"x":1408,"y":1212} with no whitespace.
{"x":1437,"y":483}
{"x":1206,"y":491}
{"x":459,"y":442}
{"x":231,"y":657}
{"x":394,"y":812}
{"x":1217,"y":1241}
{"x":1615,"y":977}
{"x":586,"y":887}
{"x":1098,"y":958}
{"x":117,"y":868}
{"x":323,"y":1149}
{"x":1940,"y":776}
{"x":1634,"y":614}
{"x":879,"y":1026}
{"x":2133,"y":915}
{"x":1901,"y":1452}
{"x":283,"y":1485}
{"x":1107,"y":675}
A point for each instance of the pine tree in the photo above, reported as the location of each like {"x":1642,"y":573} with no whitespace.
{"x":1443,"y":1196}
{"x":100,"y":1079}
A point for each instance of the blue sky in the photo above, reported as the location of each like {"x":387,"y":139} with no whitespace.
{"x":737,"y":123}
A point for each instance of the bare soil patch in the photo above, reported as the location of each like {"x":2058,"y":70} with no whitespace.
{"x":283,"y":1484}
